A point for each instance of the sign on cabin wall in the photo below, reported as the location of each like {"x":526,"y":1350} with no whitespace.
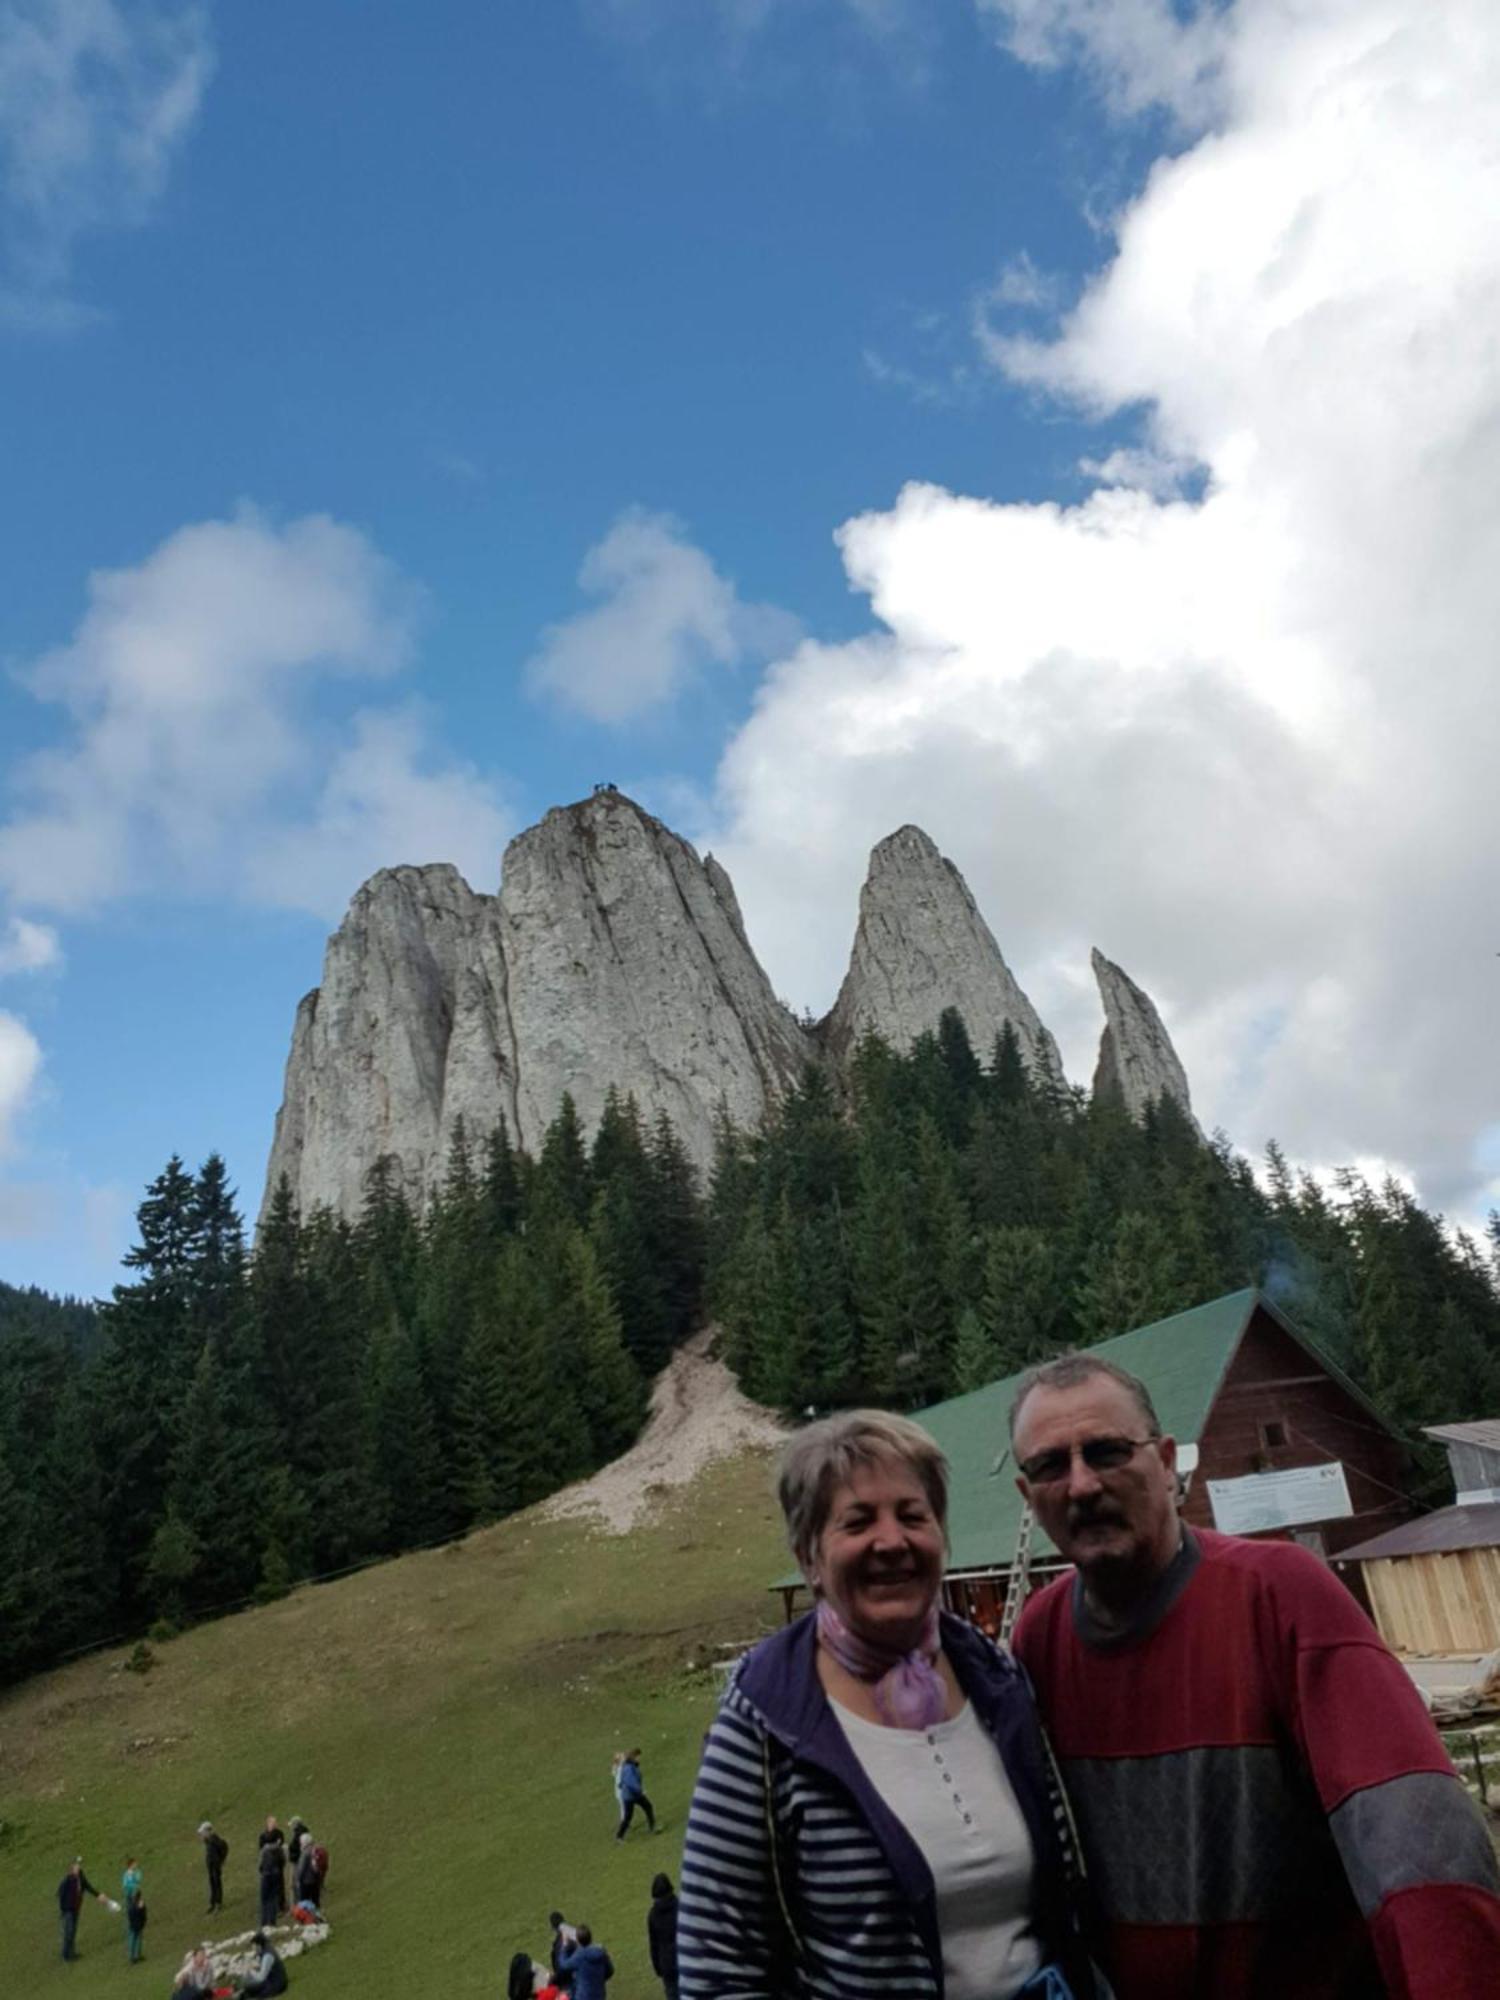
{"x":1263,"y":1500}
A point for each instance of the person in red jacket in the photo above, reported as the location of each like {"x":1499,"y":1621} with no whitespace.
{"x":1266,"y":1810}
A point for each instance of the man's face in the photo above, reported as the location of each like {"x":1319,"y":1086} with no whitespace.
{"x":1119,"y":1523}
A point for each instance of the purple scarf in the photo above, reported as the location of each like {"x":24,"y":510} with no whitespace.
{"x":909,"y":1691}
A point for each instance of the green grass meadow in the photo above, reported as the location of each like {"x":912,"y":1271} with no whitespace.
{"x":444,"y":1723}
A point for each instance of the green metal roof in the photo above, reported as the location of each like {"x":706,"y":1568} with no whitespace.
{"x":1182,"y":1361}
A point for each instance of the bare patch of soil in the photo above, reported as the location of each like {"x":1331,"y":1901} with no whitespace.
{"x":697,"y":1415}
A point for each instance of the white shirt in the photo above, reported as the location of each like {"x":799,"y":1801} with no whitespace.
{"x":949,"y":1788}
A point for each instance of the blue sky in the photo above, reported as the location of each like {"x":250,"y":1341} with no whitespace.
{"x":412,"y":415}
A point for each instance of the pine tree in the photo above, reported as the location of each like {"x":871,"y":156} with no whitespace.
{"x":1022,"y":1307}
{"x":976,"y":1359}
{"x":609,"y":1388}
{"x":561,"y":1188}
{"x":503,"y":1184}
{"x":674,"y":1211}
{"x":404,"y":1464}
{"x":1130,"y":1280}
{"x":329,"y":1457}
{"x":144,"y":1371}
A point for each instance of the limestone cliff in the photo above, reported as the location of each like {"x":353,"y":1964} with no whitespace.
{"x":613,"y":956}
{"x":921,"y":946}
{"x":373,"y":1045}
{"x":1137,"y":1062}
{"x":627,"y":965}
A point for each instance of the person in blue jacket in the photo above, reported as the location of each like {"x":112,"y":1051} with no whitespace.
{"x":589,"y":1964}
{"x":631,"y":1792}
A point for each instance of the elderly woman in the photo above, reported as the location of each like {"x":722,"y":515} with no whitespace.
{"x":876,"y":1814}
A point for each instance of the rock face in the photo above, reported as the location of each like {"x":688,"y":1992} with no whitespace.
{"x":408,"y":997}
{"x":627,"y":965}
{"x":922,"y":946}
{"x":1137,"y":1062}
{"x":614,"y":957}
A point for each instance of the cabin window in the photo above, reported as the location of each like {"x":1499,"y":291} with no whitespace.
{"x":1271,"y":1435}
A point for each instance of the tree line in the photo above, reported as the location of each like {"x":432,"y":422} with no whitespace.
{"x":958,"y":1219}
{"x":227,"y":1424}
{"x":236,"y":1423}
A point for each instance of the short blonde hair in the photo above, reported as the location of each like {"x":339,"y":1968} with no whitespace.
{"x":821,"y":1458}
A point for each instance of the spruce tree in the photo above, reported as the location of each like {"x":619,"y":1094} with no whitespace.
{"x":1023,"y":1306}
{"x":609,"y":1389}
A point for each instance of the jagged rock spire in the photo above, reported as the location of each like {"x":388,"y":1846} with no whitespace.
{"x":921,"y":946}
{"x":1137,"y":1062}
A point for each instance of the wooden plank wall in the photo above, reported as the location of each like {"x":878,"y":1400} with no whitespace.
{"x":1447,"y":1603}
{"x":1271,"y":1378}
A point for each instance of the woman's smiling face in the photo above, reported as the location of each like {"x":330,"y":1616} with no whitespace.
{"x":879,"y":1559}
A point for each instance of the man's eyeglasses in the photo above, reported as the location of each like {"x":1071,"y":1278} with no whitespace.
{"x":1106,"y":1454}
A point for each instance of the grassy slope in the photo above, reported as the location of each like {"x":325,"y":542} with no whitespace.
{"x":445,"y":1724}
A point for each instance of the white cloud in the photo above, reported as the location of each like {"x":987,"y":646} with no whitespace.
{"x":28,"y":947}
{"x":196,"y":691}
{"x":20,"y":1065}
{"x":386,"y":798}
{"x":1143,"y":52}
{"x":96,"y":99}
{"x":665,"y":614}
{"x":1246,"y":741}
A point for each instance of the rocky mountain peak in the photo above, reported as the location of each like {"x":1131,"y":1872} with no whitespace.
{"x":921,"y":946}
{"x":1137,"y":1062}
{"x":613,"y":957}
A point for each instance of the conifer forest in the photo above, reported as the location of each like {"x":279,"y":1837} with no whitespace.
{"x":232,"y":1422}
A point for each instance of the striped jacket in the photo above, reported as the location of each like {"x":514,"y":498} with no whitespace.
{"x":798,"y":1881}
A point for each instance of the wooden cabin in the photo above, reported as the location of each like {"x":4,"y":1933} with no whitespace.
{"x":1434,"y":1583}
{"x":1273,"y":1439}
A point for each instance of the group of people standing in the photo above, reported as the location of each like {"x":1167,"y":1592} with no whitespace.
{"x":305,"y":1859}
{"x":579,"y":1968}
{"x":1242,"y":1797}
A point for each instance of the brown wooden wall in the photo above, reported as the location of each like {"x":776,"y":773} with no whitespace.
{"x":1447,"y":1603}
{"x":1272,"y":1380}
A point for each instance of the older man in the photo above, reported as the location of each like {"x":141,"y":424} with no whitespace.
{"x":1265,"y":1807}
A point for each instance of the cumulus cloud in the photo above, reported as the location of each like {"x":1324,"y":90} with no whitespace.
{"x":387,"y":797}
{"x":201,"y":697}
{"x":28,"y":947}
{"x":1244,"y":740}
{"x":20,"y":1065}
{"x":1167,"y":54}
{"x":96,"y":100}
{"x":664,"y":615}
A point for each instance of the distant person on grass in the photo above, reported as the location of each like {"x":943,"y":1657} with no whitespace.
{"x":72,"y":1889}
{"x":130,"y":1894}
{"x":630,"y":1791}
{"x":564,"y":1937}
{"x":215,"y":1854}
{"x":272,"y":1838}
{"x":135,"y":1925}
{"x":307,"y":1872}
{"x":661,"y":1934}
{"x":272,"y":1877}
{"x":269,"y":1975}
{"x":589,"y":1964}
{"x":195,"y":1978}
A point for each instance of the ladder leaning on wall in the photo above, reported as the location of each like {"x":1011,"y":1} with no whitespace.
{"x":1019,"y":1582}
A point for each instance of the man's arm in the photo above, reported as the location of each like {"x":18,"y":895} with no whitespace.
{"x":1412,"y":1841}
